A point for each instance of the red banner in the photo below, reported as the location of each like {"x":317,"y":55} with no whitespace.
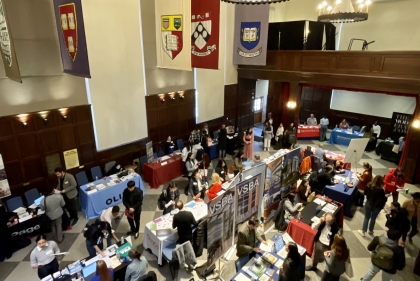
{"x":205,"y":19}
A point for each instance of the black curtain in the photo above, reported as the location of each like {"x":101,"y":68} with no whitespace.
{"x":330,"y":31}
{"x":273,"y":36}
{"x":291,"y":36}
{"x":314,"y":39}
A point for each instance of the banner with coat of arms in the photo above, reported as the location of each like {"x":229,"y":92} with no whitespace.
{"x":205,"y":18}
{"x":173,"y":25}
{"x":7,"y":47}
{"x":71,"y":35}
{"x":251,"y":33}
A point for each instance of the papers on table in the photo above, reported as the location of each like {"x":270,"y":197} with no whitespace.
{"x":91,"y":191}
{"x":329,"y":208}
{"x":115,"y":262}
{"x":220,"y":192}
{"x":267,"y":248}
{"x":239,"y":277}
{"x":282,"y":253}
{"x":28,"y":217}
{"x":61,"y":254}
{"x":264,"y":277}
{"x":33,"y":206}
{"x":47,"y":278}
{"x":279,"y":263}
{"x":319,"y":201}
{"x":40,"y":212}
{"x":165,"y":158}
{"x":100,"y":186}
{"x":163,"y":163}
{"x":22,"y":215}
{"x":315,"y":219}
{"x":20,"y":210}
{"x":403,"y":190}
{"x":287,"y":238}
{"x":107,"y":260}
{"x":92,"y":260}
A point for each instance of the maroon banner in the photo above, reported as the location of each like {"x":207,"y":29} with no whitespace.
{"x":205,"y":19}
{"x":71,"y":35}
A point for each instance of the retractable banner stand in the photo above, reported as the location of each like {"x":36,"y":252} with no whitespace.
{"x":247,"y":197}
{"x":221,"y":212}
{"x":173,"y":34}
{"x":205,"y":20}
{"x":400,"y":125}
{"x":4,"y":184}
{"x":272,"y":185}
{"x":7,"y":48}
{"x":251,"y":33}
{"x":71,"y":35}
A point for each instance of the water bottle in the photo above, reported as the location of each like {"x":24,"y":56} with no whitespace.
{"x":336,"y":126}
{"x":122,"y":240}
{"x":79,"y":274}
{"x":96,"y":177}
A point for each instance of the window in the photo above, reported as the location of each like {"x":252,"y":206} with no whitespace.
{"x":257,"y":104}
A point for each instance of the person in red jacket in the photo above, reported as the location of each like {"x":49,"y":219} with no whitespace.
{"x":216,"y":186}
{"x":394,"y":180}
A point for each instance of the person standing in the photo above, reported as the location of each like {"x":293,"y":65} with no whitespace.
{"x":53,"y":206}
{"x":279,"y":136}
{"x":67,"y":186}
{"x":364,"y":179}
{"x":132,"y":200}
{"x":168,"y":146}
{"x":387,"y":256}
{"x":289,"y":136}
{"x":195,"y":135}
{"x":375,"y":202}
{"x":311,"y":120}
{"x":327,"y":229}
{"x":394,"y":180}
{"x":268,"y":135}
{"x":109,"y":215}
{"x":222,"y":141}
{"x":249,"y":144}
{"x":289,"y":271}
{"x":335,"y":260}
{"x":95,"y":235}
{"x":205,"y":129}
{"x":43,"y":258}
{"x":401,"y":144}
{"x":324,"y":122}
{"x":413,"y":209}
{"x":103,"y":273}
{"x":247,"y":237}
{"x":376,"y":129}
{"x":168,"y":198}
{"x":183,"y":221}
{"x":137,"y":267}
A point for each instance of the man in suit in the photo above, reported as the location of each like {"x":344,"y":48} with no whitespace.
{"x":183,"y":221}
{"x":247,"y":237}
{"x":132,"y":200}
{"x":67,"y":187}
{"x":53,"y":205}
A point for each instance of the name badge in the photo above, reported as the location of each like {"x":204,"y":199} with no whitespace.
{"x":66,"y":182}
{"x":222,"y":172}
{"x":194,"y":183}
{"x":49,"y":253}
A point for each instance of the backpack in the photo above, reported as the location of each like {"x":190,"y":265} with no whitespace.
{"x":383,"y":257}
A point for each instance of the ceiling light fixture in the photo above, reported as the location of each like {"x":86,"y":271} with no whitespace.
{"x":253,"y":2}
{"x":343,"y":11}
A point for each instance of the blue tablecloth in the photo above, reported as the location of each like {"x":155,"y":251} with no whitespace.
{"x":340,"y":136}
{"x":337,"y":192}
{"x":93,"y":204}
{"x":214,"y":151}
{"x":275,"y":275}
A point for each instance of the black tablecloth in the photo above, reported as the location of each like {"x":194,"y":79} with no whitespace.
{"x":384,"y":149}
{"x":31,"y":227}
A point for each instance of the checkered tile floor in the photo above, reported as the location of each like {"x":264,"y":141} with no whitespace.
{"x":18,"y":266}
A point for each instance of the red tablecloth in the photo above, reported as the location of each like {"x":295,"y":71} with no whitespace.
{"x":306,"y":132}
{"x":156,"y":174}
{"x":302,"y":234}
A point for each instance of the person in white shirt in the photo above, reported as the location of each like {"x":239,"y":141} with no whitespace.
{"x":109,"y":215}
{"x":324,"y":122}
{"x":311,"y":120}
{"x":376,"y":129}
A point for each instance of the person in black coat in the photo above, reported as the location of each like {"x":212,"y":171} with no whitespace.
{"x":222,"y":139}
{"x":132,"y":200}
{"x":397,"y":219}
{"x":200,"y":238}
{"x":323,"y":179}
{"x":168,"y":198}
{"x":183,"y":221}
{"x":289,"y":271}
{"x":222,"y":170}
{"x":114,"y":170}
{"x":197,"y":186}
{"x":168,"y":146}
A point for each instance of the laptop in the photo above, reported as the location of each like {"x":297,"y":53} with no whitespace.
{"x":122,"y":174}
{"x":38,"y":200}
{"x":89,"y":271}
{"x":163,"y":232}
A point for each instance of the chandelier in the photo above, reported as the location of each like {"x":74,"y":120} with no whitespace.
{"x":342,"y":11}
{"x":253,"y":2}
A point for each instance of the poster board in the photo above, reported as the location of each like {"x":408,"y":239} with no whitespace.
{"x":71,"y":159}
{"x":400,"y":124}
{"x":355,"y":151}
{"x":149,"y":152}
{"x":4,"y":183}
{"x":247,"y":194}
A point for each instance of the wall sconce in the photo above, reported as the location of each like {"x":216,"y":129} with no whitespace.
{"x":172,"y":95}
{"x":416,"y":124}
{"x":44,"y":115}
{"x":24,"y":124}
{"x":162,"y":97}
{"x":23,"y":118}
{"x":63,"y":112}
{"x":291,"y":104}
{"x":181,"y":95}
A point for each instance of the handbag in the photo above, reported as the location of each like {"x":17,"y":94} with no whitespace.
{"x":349,"y":269}
{"x":129,"y":215}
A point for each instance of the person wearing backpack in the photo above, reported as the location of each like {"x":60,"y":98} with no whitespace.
{"x":387,"y":256}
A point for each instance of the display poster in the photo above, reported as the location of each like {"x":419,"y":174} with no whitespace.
{"x":71,"y":159}
{"x":399,"y":125}
{"x":149,"y":152}
{"x":290,"y":171}
{"x":4,"y":184}
{"x":221,"y":212}
{"x":272,"y":184}
{"x":247,"y":198}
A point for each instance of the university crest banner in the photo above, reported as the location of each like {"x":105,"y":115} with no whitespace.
{"x":251,"y":33}
{"x":71,"y":35}
{"x":173,"y":30}
{"x":7,"y":47}
{"x":205,"y":19}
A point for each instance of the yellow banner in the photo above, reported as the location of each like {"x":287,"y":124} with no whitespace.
{"x":171,"y":23}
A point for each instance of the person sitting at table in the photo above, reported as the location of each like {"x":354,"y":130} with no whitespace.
{"x":237,"y":161}
{"x":311,"y":120}
{"x":338,"y":167}
{"x":168,"y":198}
{"x":215,"y":188}
{"x":183,"y":220}
{"x":132,"y":200}
{"x":320,"y":153}
{"x":191,"y":164}
{"x":290,"y":208}
{"x":304,"y":190}
{"x":137,"y":267}
{"x":42,"y":257}
{"x":344,"y":124}
{"x":103,"y":273}
{"x":256,"y":160}
{"x":371,"y":145}
{"x":289,"y":271}
{"x":95,"y":234}
{"x":364,"y":179}
{"x":247,"y":237}
{"x":114,"y":170}
{"x":323,"y":179}
{"x":196,"y":186}
{"x":53,"y":206}
{"x":221,"y":170}
{"x":326,"y":231}
{"x":289,"y":136}
{"x":394,"y":181}
{"x":109,"y":215}
{"x":168,"y":146}
{"x":335,"y":260}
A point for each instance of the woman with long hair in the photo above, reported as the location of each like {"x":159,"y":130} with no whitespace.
{"x":216,"y":186}
{"x":168,"y":198}
{"x":222,"y":140}
{"x":394,"y":180}
{"x":375,"y":202}
{"x":344,"y":124}
{"x":222,"y":170}
{"x":364,"y":179}
{"x":268,"y":135}
{"x":290,"y":269}
{"x":290,"y":208}
{"x":249,"y":144}
{"x":237,"y":161}
{"x":103,"y":273}
{"x":335,"y":260}
{"x":304,"y":190}
{"x":279,"y":136}
{"x":191,"y":164}
{"x":137,"y":268}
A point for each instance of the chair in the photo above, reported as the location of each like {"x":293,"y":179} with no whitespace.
{"x":180,"y":144}
{"x":96,"y":172}
{"x":356,"y":129}
{"x":14,"y":203}
{"x":31,"y":195}
{"x":241,"y":262}
{"x":81,"y":178}
{"x":167,"y":253}
{"x":160,"y":153}
{"x":109,"y":165}
{"x":155,"y":155}
{"x":143,"y":160}
{"x":215,"y":135}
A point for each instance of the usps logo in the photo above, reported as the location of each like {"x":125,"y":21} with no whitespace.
{"x":201,"y":32}
{"x":250,"y":38}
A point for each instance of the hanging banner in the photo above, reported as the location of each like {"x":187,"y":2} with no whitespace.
{"x":247,"y":198}
{"x":400,"y":124}
{"x":221,"y":212}
{"x":251,"y":33}
{"x":8,"y":53}
{"x":173,"y":27}
{"x":205,"y":19}
{"x":272,"y":184}
{"x":4,"y":184}
{"x":71,"y":35}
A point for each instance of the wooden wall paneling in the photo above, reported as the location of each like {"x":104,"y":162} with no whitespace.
{"x":67,"y":138}
{"x":41,"y":123}
{"x":14,"y":174}
{"x":86,"y":153}
{"x":28,"y":145}
{"x":19,"y":128}
{"x":34,"y":169}
{"x":5,"y":127}
{"x":8,"y":149}
{"x":49,"y":141}
{"x":82,"y":114}
{"x":85,"y":133}
{"x":64,"y":117}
